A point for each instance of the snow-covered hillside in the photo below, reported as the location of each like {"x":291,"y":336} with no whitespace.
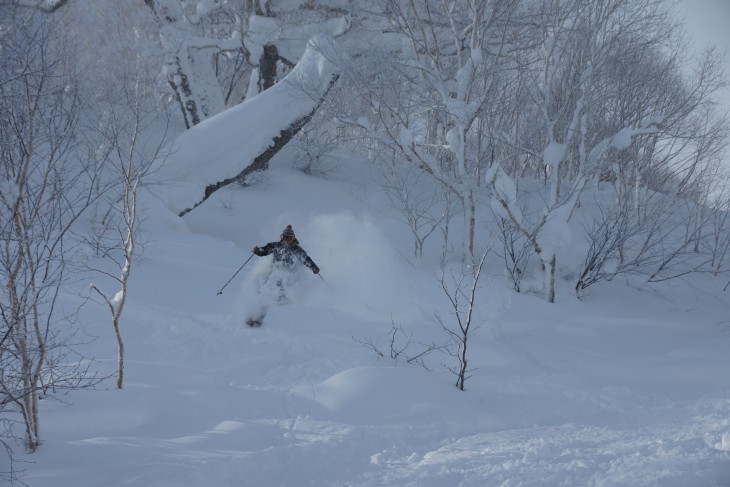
{"x":628,"y":387}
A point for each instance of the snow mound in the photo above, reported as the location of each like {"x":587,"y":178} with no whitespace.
{"x":383,"y":395}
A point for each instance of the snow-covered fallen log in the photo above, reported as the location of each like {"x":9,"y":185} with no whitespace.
{"x":243,"y":139}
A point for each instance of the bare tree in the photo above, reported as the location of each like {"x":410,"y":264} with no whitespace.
{"x":719,"y":240}
{"x":607,"y":237}
{"x":425,"y":102}
{"x":461,"y":292}
{"x":45,"y":189}
{"x":666,"y":184}
{"x":569,"y":92}
{"x":516,"y":251}
{"x":400,"y":347}
{"x":128,"y":156}
{"x":422,"y":207}
{"x":656,"y":244}
{"x":188,"y":68}
{"x":564,"y":84}
{"x":228,"y":51}
{"x":10,"y":472}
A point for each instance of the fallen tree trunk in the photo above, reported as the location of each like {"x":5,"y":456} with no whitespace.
{"x":261,"y":162}
{"x":231,"y":145}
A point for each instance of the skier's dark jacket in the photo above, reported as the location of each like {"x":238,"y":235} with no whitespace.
{"x":285,"y":252}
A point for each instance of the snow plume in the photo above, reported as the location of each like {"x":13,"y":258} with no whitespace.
{"x":360,"y":269}
{"x":269,"y":284}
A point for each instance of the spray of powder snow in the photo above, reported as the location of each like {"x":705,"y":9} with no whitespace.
{"x":268,"y":284}
{"x":360,"y":271}
{"x":359,"y":265}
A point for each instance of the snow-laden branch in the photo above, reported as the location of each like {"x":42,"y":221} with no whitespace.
{"x":551,"y":231}
{"x":47,"y":6}
{"x":227,"y":147}
{"x":622,"y":139}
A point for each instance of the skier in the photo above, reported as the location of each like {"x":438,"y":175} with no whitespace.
{"x":285,"y":254}
{"x":285,"y":250}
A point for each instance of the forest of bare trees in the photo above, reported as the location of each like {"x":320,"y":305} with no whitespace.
{"x":493,"y":121}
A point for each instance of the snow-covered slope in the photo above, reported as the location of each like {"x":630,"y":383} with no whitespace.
{"x":626,"y":388}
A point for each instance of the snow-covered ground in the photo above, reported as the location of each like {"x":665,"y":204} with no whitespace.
{"x":627,"y":387}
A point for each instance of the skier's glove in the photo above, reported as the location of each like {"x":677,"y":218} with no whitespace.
{"x":256,"y":251}
{"x":315,"y":269}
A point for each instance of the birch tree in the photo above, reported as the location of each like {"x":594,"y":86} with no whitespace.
{"x":44,"y":191}
{"x":576,"y":40}
{"x":218,"y":53}
{"x":128,"y":154}
{"x":425,"y":101}
{"x":189,"y":53}
{"x":461,"y":292}
{"x":421,"y":206}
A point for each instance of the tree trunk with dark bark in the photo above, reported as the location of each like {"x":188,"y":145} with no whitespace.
{"x":261,"y":162}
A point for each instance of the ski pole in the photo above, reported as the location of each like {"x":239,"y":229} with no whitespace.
{"x":234,"y":275}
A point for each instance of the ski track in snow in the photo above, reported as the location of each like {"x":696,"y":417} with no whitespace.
{"x":268,"y":450}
